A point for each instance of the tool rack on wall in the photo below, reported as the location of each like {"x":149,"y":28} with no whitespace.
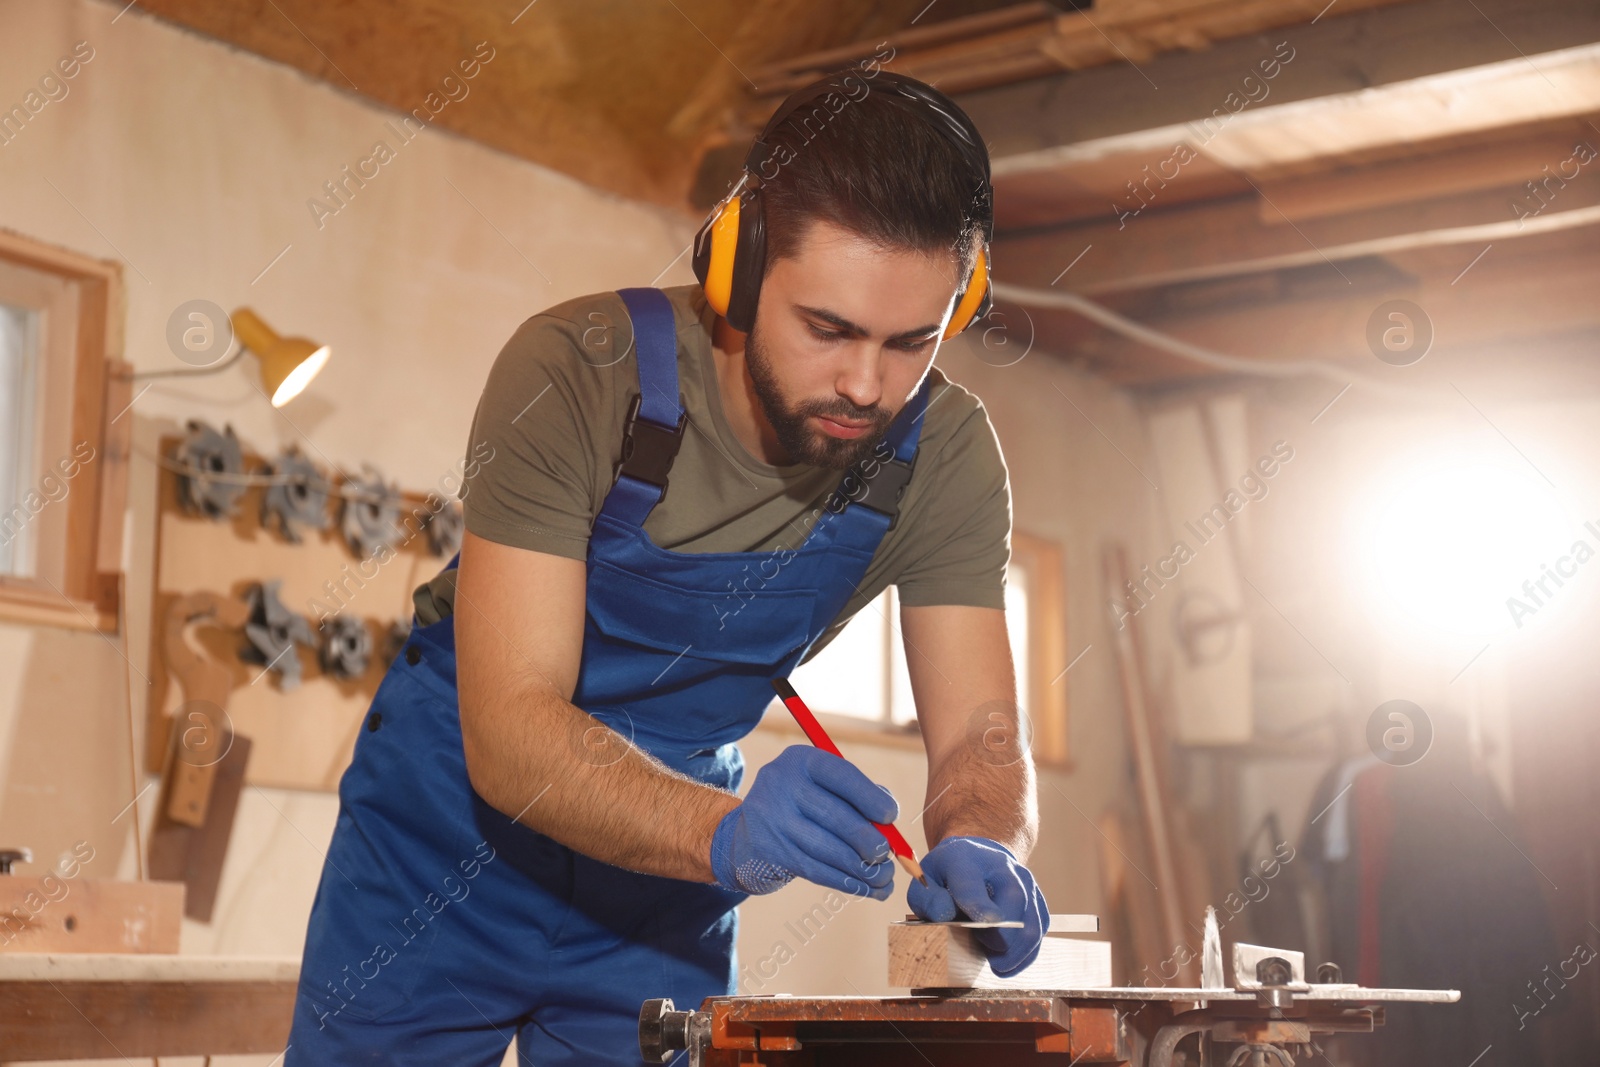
{"x":281,"y":592}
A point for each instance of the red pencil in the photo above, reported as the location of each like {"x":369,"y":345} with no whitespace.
{"x":819,"y":737}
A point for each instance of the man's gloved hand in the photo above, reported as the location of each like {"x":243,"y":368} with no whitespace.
{"x":980,"y":880}
{"x":809,"y":815}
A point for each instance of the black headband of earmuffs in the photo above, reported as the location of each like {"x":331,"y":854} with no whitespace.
{"x":914,"y":97}
{"x":742,"y":278}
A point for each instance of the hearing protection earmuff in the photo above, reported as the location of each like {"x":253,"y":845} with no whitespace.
{"x":730,"y":250}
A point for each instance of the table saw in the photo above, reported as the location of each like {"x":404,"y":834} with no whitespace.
{"x":1268,"y":1018}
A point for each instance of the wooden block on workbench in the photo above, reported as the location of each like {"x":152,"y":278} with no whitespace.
{"x":56,"y":914}
{"x":1059,"y":923}
{"x":945,"y":956}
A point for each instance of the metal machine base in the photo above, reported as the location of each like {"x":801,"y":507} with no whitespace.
{"x":1131,"y":1026}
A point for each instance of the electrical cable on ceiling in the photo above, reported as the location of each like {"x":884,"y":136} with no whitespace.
{"x":1291,"y":368}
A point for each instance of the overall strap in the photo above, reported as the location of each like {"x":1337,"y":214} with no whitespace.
{"x":655,"y":339}
{"x":654,"y":429}
{"x":906,"y":429}
{"x":878,"y":482}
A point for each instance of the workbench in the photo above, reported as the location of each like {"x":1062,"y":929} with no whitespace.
{"x":1138,"y":1026}
{"x":82,"y":1006}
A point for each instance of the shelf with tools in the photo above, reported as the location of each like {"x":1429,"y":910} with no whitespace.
{"x":281,"y":594}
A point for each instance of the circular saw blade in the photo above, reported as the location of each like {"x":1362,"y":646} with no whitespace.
{"x":207,"y":455}
{"x":298,"y":503}
{"x":273,"y":631}
{"x":346,"y":647}
{"x":370,"y":514}
{"x":444,"y":528}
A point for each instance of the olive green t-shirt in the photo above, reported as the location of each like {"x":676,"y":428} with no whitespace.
{"x":548,"y":434}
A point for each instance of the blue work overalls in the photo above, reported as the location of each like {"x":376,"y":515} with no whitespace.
{"x":441,"y":927}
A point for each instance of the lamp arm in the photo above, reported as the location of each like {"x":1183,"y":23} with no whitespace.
{"x":213,"y":368}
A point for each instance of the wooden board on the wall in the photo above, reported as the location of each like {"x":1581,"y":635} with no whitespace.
{"x":53,"y":913}
{"x":300,"y":739}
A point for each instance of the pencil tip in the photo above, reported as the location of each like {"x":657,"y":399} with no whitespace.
{"x":913,"y":868}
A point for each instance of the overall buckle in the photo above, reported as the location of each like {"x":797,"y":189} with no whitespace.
{"x":879,"y":490}
{"x":648,"y":449}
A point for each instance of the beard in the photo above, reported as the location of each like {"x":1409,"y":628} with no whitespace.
{"x":803,"y":443}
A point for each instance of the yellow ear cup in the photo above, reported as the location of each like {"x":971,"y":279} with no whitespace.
{"x":718,"y":285}
{"x":972,"y":298}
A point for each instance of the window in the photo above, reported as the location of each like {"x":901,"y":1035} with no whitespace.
{"x":862,"y":673}
{"x":19,"y":357}
{"x":63,"y":437}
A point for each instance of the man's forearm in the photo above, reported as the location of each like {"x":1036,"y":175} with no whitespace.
{"x":969,"y":796}
{"x":555,"y":768}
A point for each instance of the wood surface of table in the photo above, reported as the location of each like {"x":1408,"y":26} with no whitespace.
{"x":102,"y":1006}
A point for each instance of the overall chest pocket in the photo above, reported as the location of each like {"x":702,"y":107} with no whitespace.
{"x":735,"y":625}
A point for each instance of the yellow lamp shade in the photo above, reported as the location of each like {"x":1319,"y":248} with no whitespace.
{"x":287,"y":363}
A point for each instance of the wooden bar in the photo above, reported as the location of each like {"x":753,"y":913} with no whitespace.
{"x":947,"y":956}
{"x":119,"y":1007}
{"x":1030,"y":40}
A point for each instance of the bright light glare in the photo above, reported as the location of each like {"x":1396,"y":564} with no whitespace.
{"x":301,"y":377}
{"x":1447,"y":544}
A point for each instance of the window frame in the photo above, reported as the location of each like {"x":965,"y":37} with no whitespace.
{"x":82,"y":587}
{"x":1043,"y":692}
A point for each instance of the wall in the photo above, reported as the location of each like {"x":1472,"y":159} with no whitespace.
{"x":192,"y":164}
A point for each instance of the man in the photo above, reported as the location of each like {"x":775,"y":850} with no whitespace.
{"x":683,"y":495}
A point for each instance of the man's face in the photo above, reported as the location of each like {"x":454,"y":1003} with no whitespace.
{"x":844,"y":333}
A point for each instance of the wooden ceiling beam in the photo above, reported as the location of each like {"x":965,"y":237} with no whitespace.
{"x":1565,"y":149}
{"x":1308,"y":133}
{"x":1339,"y":54}
{"x":1276,"y":144}
{"x":1228,"y":238}
{"x":1367,"y":94}
{"x":994,"y":48}
{"x":930,"y":36}
{"x":1515,"y":92}
{"x":1512,"y":303}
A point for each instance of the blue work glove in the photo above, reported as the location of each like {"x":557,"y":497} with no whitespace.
{"x":980,"y":880}
{"x":809,"y":815}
